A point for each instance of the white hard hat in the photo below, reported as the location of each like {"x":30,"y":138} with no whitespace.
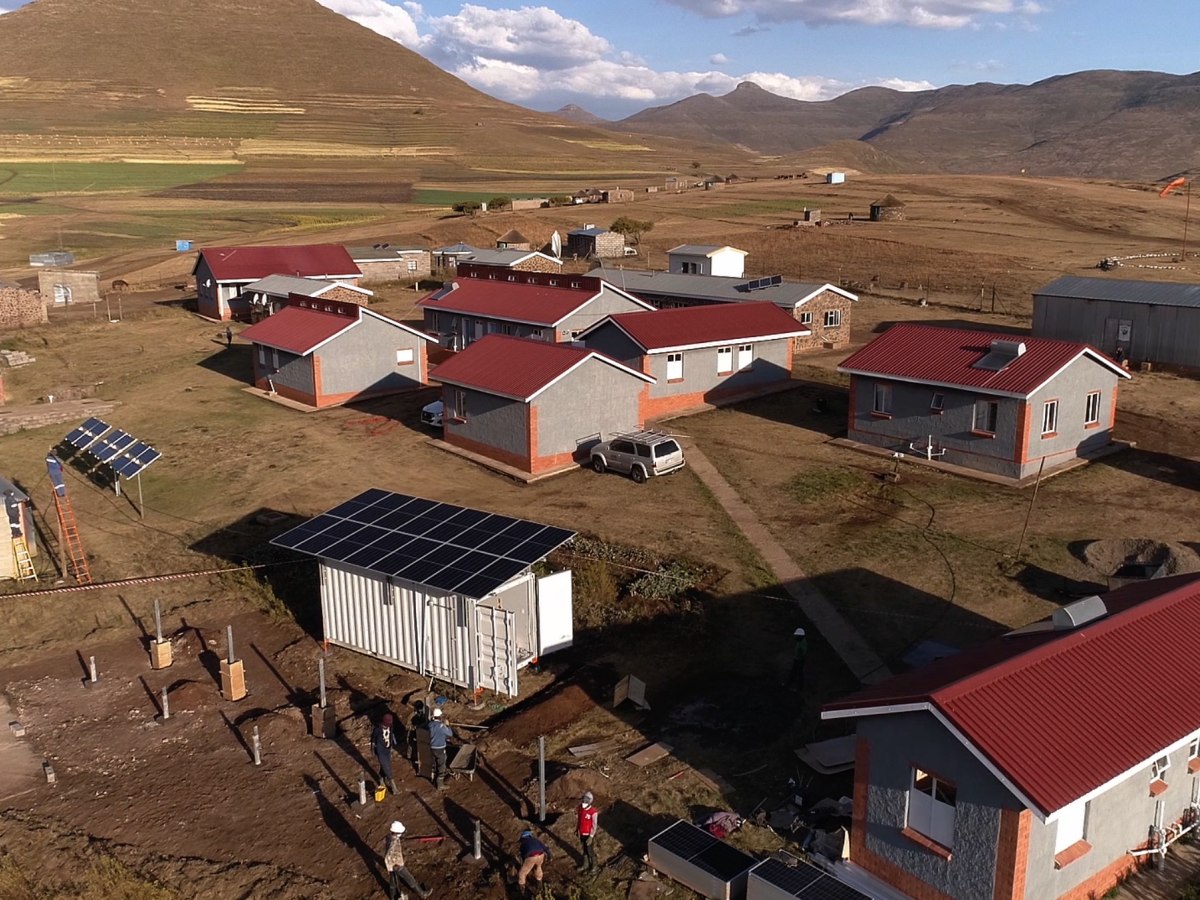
{"x":437,"y":713}
{"x":397,"y":827}
{"x":588,"y":798}
{"x":799,"y":632}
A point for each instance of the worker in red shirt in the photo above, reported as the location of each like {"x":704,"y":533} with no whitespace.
{"x":586,"y":829}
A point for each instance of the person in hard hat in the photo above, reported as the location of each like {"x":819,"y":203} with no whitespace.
{"x":795,"y":679}
{"x":439,"y":733}
{"x":533,"y":854}
{"x":586,"y":822}
{"x":393,"y":860}
{"x":383,"y":742}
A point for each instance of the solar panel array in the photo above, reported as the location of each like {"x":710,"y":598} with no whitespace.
{"x":125,"y":454}
{"x":451,"y":548}
{"x":805,"y":882}
{"x":704,"y":851}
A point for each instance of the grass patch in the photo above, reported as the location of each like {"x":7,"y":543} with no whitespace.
{"x":434,"y":197}
{"x":50,"y":178}
{"x":109,"y":879}
{"x":816,"y":484}
{"x":752,"y":208}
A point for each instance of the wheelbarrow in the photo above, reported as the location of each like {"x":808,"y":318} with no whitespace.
{"x":465,"y":759}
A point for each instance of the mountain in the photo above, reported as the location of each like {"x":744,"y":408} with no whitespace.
{"x":245,"y":78}
{"x":1101,"y":124}
{"x":577,"y":113}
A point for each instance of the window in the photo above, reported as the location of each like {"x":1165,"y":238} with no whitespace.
{"x":986,"y":414}
{"x":412,"y":265}
{"x":508,"y":328}
{"x":643,"y":451}
{"x":931,"y":804}
{"x":1071,"y":823}
{"x":833,"y":318}
{"x":435,"y":321}
{"x":262,"y":356}
{"x":724,"y":360}
{"x":478,"y":329}
{"x":1092,"y":414}
{"x":1050,"y":418}
{"x":883,"y":400}
{"x":460,"y":404}
{"x":623,"y":447}
{"x":536,"y":333}
{"x":938,"y":403}
{"x":805,"y":318}
{"x":666,"y":448}
{"x":405,"y":357}
{"x":275,"y":360}
{"x":1194,"y":749}
{"x":745,"y":356}
{"x":674,"y":367}
{"x":690,"y":268}
{"x":1158,"y":769}
{"x":493,"y":327}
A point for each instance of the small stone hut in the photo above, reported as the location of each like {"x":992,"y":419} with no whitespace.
{"x":889,"y":209}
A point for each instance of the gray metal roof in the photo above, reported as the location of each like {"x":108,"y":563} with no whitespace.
{"x":282,"y":285}
{"x":6,"y":486}
{"x":460,"y":247}
{"x":500,"y":257}
{"x":715,"y":288}
{"x":391,"y":251}
{"x":701,"y":249}
{"x":1154,"y":293}
{"x":589,"y":232}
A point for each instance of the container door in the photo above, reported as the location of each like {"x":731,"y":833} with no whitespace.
{"x":497,"y":657}
{"x":446,"y":639}
{"x":556,"y":627}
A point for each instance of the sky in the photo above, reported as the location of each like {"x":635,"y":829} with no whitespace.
{"x":614,"y":57}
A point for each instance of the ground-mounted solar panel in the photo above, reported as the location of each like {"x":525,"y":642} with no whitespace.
{"x":135,"y":460}
{"x":802,"y":880}
{"x":113,"y":445}
{"x":453,"y":548}
{"x":87,"y":433}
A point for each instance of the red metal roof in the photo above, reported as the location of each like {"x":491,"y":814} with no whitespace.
{"x":1062,"y":713}
{"x":516,"y":367}
{"x":515,"y":301}
{"x":300,"y":330}
{"x":947,"y":356}
{"x":253,"y":263}
{"x":698,"y":326}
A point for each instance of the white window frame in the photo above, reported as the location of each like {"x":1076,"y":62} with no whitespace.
{"x":412,"y":265}
{"x":435,"y":321}
{"x":1091,"y":412}
{"x":405,"y":356}
{"x":881,"y":401}
{"x":460,"y":404}
{"x":275,"y":359}
{"x":1071,"y":826}
{"x":479,"y":329}
{"x":805,"y":318}
{"x":928,"y":815}
{"x":674,"y":367}
{"x":1194,"y":749}
{"x":985,"y":403}
{"x":1049,"y":418}
{"x":745,"y":357}
{"x":1158,"y":768}
{"x":536,"y":333}
{"x":833,"y":318}
{"x":724,"y":360}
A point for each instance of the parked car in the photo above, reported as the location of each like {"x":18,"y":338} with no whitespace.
{"x":639,"y":454}
{"x":431,"y":415}
{"x":631,"y":251}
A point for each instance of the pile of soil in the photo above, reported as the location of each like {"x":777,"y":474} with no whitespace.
{"x":563,"y":795}
{"x":192,"y":695}
{"x":1108,"y":556}
{"x":545,"y":718}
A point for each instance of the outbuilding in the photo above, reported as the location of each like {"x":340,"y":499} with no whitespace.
{"x":1144,"y":321}
{"x":513,"y":240}
{"x":450,"y":257}
{"x":555,"y":308}
{"x":269,"y":295}
{"x":704,"y":259}
{"x":442,"y":590}
{"x":222,"y":272}
{"x":889,"y":209}
{"x":514,"y":260}
{"x":390,"y":262}
{"x":536,"y":406}
{"x":18,"y":522}
{"x":63,"y":287}
{"x":591,"y":242}
{"x":1003,"y":404}
{"x":324,"y":353}
{"x":701,"y":354}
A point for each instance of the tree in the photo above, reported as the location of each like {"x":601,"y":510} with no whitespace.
{"x":561,"y":200}
{"x":498,"y":203}
{"x":467,"y":207}
{"x":631,"y":228}
{"x":695,"y":165}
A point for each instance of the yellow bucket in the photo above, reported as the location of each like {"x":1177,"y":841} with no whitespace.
{"x":380,"y":793}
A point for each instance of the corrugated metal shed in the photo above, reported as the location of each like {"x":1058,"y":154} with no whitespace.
{"x":1155,"y":293}
{"x":1062,"y":713}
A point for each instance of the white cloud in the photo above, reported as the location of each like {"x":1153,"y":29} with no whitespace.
{"x":718,"y":59}
{"x":532,"y":35}
{"x":916,"y":13}
{"x":391,"y":21}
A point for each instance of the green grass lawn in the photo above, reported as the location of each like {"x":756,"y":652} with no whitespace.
{"x":48,"y":178}
{"x":433,"y":197}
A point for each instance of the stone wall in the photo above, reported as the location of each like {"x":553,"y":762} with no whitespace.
{"x":20,"y":309}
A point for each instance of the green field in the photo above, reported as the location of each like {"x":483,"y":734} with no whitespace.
{"x":433,"y":197}
{"x":48,"y":178}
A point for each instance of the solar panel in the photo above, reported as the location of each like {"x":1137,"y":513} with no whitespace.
{"x":805,"y":881}
{"x":135,"y":459}
{"x":87,"y":433}
{"x":685,"y":840}
{"x":452,"y":548}
{"x":723,"y":861}
{"x":112,"y":446}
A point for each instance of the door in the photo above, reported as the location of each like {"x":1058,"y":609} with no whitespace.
{"x":446,"y":639}
{"x":497,"y":656}
{"x":1117,"y":333}
{"x":555,"y":617}
{"x":620,"y":456}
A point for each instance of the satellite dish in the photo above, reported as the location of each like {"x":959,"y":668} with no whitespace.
{"x":556,"y":244}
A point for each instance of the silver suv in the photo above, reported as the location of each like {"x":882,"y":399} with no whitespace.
{"x":641,"y":454}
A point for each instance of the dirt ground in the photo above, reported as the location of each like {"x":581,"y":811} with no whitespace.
{"x":932,"y":558}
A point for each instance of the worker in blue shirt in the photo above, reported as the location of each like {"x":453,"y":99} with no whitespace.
{"x":439,"y":733}
{"x":533,"y":853}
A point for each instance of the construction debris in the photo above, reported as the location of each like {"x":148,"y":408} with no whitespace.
{"x":631,"y":688}
{"x":649,"y":755}
{"x":829,"y":757}
{"x":583,"y":751}
{"x":14,"y":359}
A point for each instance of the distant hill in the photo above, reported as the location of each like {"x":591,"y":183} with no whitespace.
{"x":577,"y":113}
{"x":267,"y":78}
{"x":1135,"y":125}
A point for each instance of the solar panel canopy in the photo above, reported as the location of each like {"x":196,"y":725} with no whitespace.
{"x":802,"y":881}
{"x":109,"y":448}
{"x":452,"y":548}
{"x":135,"y":459}
{"x":87,"y":433}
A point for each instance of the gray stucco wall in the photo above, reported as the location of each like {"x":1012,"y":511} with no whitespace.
{"x":1163,"y":334}
{"x":295,"y":372}
{"x":1071,"y":388}
{"x":772,"y":363}
{"x":612,"y":341}
{"x":1116,"y":822}
{"x":587,"y":406}
{"x":495,"y":421}
{"x":903,"y":740}
{"x":609,"y":303}
{"x":364,"y":359}
{"x":445,"y":324}
{"x":206,"y":290}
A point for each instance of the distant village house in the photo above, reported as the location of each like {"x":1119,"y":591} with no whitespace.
{"x":389,"y":262}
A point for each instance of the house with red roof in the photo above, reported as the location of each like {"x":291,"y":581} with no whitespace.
{"x":701,"y":354}
{"x":1047,"y":764}
{"x":483,"y":300}
{"x":222,"y":272}
{"x":998,"y":403}
{"x":323,"y":352}
{"x":533,"y":405}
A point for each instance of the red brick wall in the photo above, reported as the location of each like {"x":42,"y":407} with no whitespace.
{"x":503,"y":456}
{"x":1104,"y":880}
{"x":1012,"y":854}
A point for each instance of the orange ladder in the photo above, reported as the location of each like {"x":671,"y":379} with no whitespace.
{"x":68,"y":531}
